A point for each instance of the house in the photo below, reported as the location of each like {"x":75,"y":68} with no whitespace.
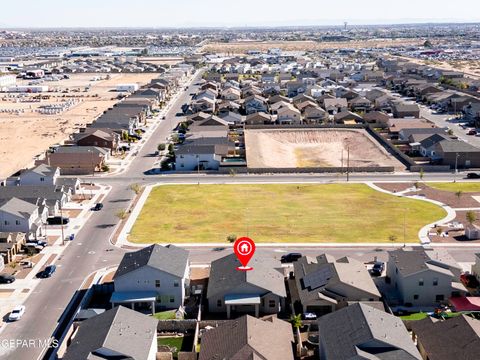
{"x":347,"y":117}
{"x":401,"y":110}
{"x":249,"y":338}
{"x":314,"y":114}
{"x":458,"y":154}
{"x":53,"y":198}
{"x":378,"y":118}
{"x":413,"y":134}
{"x":395,"y":126}
{"x":10,"y":245}
{"x":40,"y":175}
{"x":119,"y":333}
{"x":261,"y":291}
{"x":231,"y":94}
{"x":383,"y":102}
{"x":158,"y":274}
{"x":289,"y":115}
{"x":325,"y":284}
{"x":360,"y":331}
{"x":374,"y":94}
{"x":21,"y":216}
{"x":278,"y":105}
{"x":456,"y":338}
{"x":76,"y":163}
{"x":427,"y":144}
{"x":421,"y":280}
{"x":232,"y":117}
{"x":336,"y":105}
{"x":200,"y":156}
{"x":259,"y":118}
{"x":105,"y":138}
{"x":226,"y":106}
{"x":295,"y":87}
{"x":255,"y":103}
{"x":360,"y":104}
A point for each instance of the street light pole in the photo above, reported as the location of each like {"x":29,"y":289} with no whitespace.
{"x":348,"y":163}
{"x":456,"y":167}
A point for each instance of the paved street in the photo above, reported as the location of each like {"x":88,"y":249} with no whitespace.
{"x":88,"y":252}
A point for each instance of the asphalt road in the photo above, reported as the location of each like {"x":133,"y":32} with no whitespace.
{"x":88,"y":252}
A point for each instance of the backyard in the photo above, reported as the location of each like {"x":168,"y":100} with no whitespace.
{"x":353,"y":213}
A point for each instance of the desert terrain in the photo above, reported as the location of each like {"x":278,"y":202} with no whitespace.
{"x":28,"y":133}
{"x":314,"y":148}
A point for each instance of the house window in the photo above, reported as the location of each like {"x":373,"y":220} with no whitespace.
{"x":415,"y":297}
{"x":42,"y":179}
{"x":435,"y":282}
{"x":7,"y":223}
{"x":396,"y":271}
{"x":271,"y":303}
{"x":172,"y":299}
{"x":157,"y":283}
{"x":439,"y":298}
{"x":17,"y":222}
{"x":420,"y":282}
{"x":219,"y":303}
{"x":175,"y":283}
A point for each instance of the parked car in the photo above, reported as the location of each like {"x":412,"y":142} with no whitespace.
{"x":17,"y":313}
{"x":124,"y":148}
{"x":27,"y":264}
{"x":57,"y":220}
{"x":6,"y":279}
{"x":378,"y":268}
{"x":288,"y":258}
{"x":98,"y":207}
{"x":47,"y":272}
{"x":472,"y":132}
{"x":35,"y":245}
{"x":309,"y":316}
{"x":473,"y":176}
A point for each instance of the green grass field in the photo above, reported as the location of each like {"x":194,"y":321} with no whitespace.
{"x":454,"y":187}
{"x":279,"y":213}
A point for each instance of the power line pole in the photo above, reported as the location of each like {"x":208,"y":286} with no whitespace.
{"x":348,"y":163}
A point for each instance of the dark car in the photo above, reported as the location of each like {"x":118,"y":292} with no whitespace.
{"x":6,"y":279}
{"x":48,"y":272}
{"x":378,"y":268}
{"x":472,"y":132}
{"x":124,"y":148}
{"x":98,"y":207}
{"x":473,"y":176}
{"x":58,"y":220}
{"x":288,"y":258}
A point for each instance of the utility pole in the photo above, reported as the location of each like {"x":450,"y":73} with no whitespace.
{"x":61,"y":223}
{"x":456,"y":167}
{"x":348,"y":163}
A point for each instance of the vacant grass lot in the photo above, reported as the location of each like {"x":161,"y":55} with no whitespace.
{"x":454,"y":187}
{"x":279,"y":213}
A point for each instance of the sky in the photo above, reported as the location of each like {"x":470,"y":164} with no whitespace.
{"x":228,"y":13}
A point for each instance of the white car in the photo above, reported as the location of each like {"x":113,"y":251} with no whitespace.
{"x":16,"y":313}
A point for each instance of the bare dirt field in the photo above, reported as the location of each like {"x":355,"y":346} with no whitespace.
{"x":242,"y":47}
{"x":29,"y":133}
{"x":314,"y":148}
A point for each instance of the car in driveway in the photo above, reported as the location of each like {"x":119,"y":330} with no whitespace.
{"x":473,"y":175}
{"x":47,"y":272}
{"x":378,"y":268}
{"x":16,"y":313}
{"x":98,"y":207}
{"x":57,"y":220}
{"x":289,"y":258}
{"x":6,"y":279}
{"x":309,"y":316}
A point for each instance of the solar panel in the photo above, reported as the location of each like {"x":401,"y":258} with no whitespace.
{"x":318,"y":278}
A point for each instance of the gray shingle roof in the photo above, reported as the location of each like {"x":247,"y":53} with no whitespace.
{"x":457,"y":338}
{"x":224,"y":276}
{"x":121,"y":330}
{"x":248,"y":338}
{"x":361,"y":330}
{"x":457,"y":146}
{"x":17,"y":207}
{"x":170,"y":259}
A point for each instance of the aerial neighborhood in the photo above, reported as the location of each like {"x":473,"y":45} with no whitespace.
{"x":271,"y":193}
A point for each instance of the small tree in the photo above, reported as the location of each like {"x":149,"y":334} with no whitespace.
{"x":459,"y":194}
{"x":296,"y":321}
{"x":471,"y":217}
{"x":105,"y":168}
{"x":136,"y":188}
{"x":231,"y":238}
{"x":392,"y":238}
{"x":416,"y":184}
{"x":161,"y":147}
{"x":439,"y":231}
{"x":121,"y":214}
{"x":421,"y":174}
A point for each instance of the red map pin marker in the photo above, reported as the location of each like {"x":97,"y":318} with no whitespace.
{"x":244,"y":248}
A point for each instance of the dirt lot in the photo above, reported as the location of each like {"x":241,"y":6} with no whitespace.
{"x":28,"y":134}
{"x":314,"y":148}
{"x":242,"y":47}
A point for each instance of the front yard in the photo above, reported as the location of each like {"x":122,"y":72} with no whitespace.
{"x":466,"y":187}
{"x":353,"y":213}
